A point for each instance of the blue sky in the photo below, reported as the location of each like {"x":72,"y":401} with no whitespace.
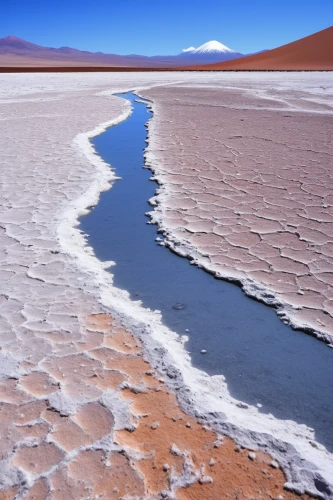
{"x":163,"y":26}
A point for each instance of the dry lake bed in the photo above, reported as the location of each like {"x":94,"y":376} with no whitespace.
{"x":103,"y":391}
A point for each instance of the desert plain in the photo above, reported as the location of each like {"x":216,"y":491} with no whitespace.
{"x":98,"y":398}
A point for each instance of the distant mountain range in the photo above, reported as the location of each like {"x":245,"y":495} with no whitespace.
{"x":17,"y":52}
{"x":312,"y":53}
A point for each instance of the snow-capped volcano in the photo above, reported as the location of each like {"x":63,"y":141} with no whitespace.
{"x":207,"y":53}
{"x":212,"y":47}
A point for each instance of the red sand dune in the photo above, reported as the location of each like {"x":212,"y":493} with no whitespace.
{"x":314,"y":52}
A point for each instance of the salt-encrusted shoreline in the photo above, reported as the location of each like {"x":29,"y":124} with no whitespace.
{"x":208,"y":397}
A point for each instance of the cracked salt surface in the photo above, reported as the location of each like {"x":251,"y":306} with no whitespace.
{"x":49,"y":282}
{"x":249,"y":187}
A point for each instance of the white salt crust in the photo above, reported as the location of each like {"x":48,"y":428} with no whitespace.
{"x":91,"y":176}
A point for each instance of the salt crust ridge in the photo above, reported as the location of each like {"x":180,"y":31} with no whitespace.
{"x":208,"y":397}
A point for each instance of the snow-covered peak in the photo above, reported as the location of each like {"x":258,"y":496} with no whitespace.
{"x":210,"y":48}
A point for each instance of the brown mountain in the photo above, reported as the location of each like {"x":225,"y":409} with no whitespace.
{"x":314,"y":52}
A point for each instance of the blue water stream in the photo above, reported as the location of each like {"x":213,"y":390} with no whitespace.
{"x":264,"y":361}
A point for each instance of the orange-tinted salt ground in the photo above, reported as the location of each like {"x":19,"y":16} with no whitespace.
{"x":247,"y":180}
{"x":160,"y":452}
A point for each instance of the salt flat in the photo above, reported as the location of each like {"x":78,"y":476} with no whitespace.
{"x":55,"y":359}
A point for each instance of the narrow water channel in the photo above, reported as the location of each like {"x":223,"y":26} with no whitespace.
{"x":264,"y":361}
